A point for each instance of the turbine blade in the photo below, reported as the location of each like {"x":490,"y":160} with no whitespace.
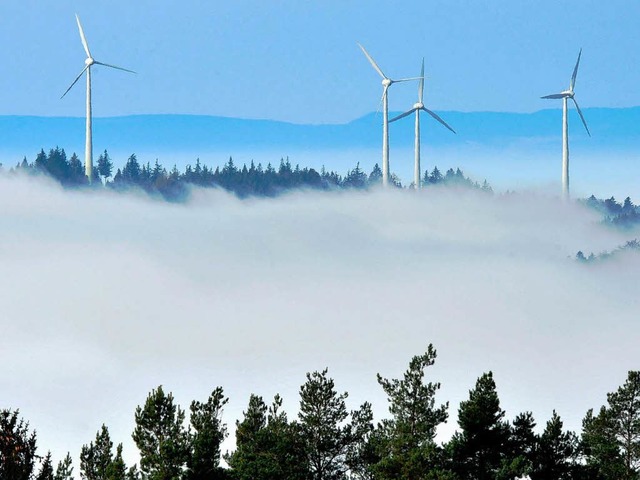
{"x":384,"y":94}
{"x":575,"y":71}
{"x":555,"y":96}
{"x":403,"y":115}
{"x":372,"y":61}
{"x":74,"y":82}
{"x":82,"y":37}
{"x":407,"y":79}
{"x":421,"y":85}
{"x":434,"y":115}
{"x":113,"y":66}
{"x":584,"y":122}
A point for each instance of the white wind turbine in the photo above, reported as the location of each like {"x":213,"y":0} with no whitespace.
{"x":386,"y":83}
{"x":565,"y":95}
{"x":417,"y":108}
{"x":89,"y":61}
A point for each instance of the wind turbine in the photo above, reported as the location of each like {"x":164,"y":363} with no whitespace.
{"x":565,"y":95}
{"x":417,"y":107}
{"x":386,"y":83}
{"x":89,"y":62}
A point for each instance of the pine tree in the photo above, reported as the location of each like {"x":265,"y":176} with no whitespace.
{"x":557,"y":452}
{"x":131,"y":171}
{"x":105,"y":165}
{"x":599,"y":446}
{"x":160,"y":437}
{"x":268,"y":447}
{"x":46,"y":469}
{"x":323,"y":421}
{"x":355,"y":178}
{"x":479,"y":447}
{"x":406,"y":445}
{"x":625,"y":410}
{"x":208,"y":434}
{"x":521,"y":448}
{"x":65,"y":469}
{"x":17,"y":447}
{"x":76,"y":171}
{"x":96,"y":458}
{"x":435,"y":177}
{"x":375,"y":177}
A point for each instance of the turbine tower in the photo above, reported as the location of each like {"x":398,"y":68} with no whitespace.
{"x":565,"y":96}
{"x":417,"y":108}
{"x":386,"y":83}
{"x":89,"y":62}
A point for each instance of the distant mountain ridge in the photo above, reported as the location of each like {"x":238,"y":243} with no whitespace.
{"x":25,"y":135}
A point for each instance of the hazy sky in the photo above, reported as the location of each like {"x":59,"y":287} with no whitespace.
{"x":297,"y":60}
{"x":105,"y":297}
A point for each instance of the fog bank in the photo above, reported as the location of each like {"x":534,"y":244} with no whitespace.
{"x":106,"y":296}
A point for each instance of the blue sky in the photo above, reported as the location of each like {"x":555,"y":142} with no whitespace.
{"x":297,"y":60}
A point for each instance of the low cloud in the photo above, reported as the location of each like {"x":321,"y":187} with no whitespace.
{"x":105,"y":296}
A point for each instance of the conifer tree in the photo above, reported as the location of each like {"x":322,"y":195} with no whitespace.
{"x":160,"y":437}
{"x":375,"y":177}
{"x":96,"y":458}
{"x":324,"y":425}
{"x":599,"y":446}
{"x":105,"y":165}
{"x":268,"y":446}
{"x":478,"y":449}
{"x":557,"y":453}
{"x":17,"y":447}
{"x":208,"y":434}
{"x":46,"y":469}
{"x":625,"y":411}
{"x":64,"y":471}
{"x":405,"y":442}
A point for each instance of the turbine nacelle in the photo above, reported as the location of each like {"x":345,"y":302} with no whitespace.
{"x":386,"y":82}
{"x":418,"y":106}
{"x":569,"y":94}
{"x":89,"y":61}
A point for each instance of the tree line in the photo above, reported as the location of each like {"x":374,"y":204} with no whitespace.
{"x":256,"y":180}
{"x":327,"y":441}
{"x":624,"y":214}
{"x":251,"y":180}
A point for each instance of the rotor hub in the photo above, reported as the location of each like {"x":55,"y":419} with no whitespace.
{"x":386,"y":82}
{"x":418,"y":106}
{"x":89,"y":61}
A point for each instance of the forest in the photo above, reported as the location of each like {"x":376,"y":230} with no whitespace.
{"x":326,"y":441}
{"x":258,"y":181}
{"x":252,"y":180}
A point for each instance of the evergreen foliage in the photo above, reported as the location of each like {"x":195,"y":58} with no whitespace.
{"x":160,"y":437}
{"x":46,"y":469}
{"x":268,"y":446}
{"x":17,"y":447}
{"x":207,"y":436}
{"x":329,"y":442}
{"x":328,"y":434}
{"x":98,"y":462}
{"x":630,"y":246}
{"x":557,"y":453}
{"x":405,"y":443}
{"x":611,"y":439}
{"x":252,"y":180}
{"x":478,"y":450}
{"x":65,"y":469}
{"x":624,"y":215}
